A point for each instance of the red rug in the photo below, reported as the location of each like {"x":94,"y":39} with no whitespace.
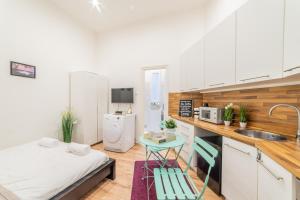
{"x":139,"y":186}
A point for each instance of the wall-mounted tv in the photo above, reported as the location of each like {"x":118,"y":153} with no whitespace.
{"x":122,"y":95}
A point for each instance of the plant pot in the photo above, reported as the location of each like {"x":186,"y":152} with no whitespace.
{"x":67,"y":138}
{"x":227,"y":123}
{"x":243,"y":125}
{"x":171,"y":131}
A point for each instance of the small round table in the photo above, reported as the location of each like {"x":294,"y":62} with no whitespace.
{"x":155,"y":149}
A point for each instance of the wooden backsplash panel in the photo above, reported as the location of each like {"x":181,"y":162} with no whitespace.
{"x":174,"y":99}
{"x":258,"y":103}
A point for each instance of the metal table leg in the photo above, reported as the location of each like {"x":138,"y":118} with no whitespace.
{"x":177,"y":155}
{"x":162,"y":162}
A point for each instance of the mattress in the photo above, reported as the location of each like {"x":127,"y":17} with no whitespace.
{"x":32,"y":172}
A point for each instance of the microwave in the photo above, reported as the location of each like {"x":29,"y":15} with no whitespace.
{"x":210,"y":114}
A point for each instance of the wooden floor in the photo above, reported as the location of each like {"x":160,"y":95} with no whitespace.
{"x":120,"y":188}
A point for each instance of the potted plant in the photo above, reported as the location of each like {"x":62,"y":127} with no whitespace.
{"x":243,"y":117}
{"x":170,"y":125}
{"x":68,"y":122}
{"x":228,"y":114}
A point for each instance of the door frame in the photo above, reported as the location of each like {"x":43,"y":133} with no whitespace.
{"x":155,"y":67}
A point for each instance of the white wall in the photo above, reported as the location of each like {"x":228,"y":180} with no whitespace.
{"x":123,"y":53}
{"x":35,"y":32}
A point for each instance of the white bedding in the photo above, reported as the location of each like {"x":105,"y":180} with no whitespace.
{"x":32,"y":172}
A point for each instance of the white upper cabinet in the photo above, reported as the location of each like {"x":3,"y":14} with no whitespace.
{"x":260,"y":40}
{"x":274,"y":182}
{"x":219,"y":54}
{"x":192,"y":68}
{"x":183,"y":65}
{"x":292,"y":38}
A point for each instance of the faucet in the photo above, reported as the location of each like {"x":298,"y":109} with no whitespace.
{"x":290,"y":106}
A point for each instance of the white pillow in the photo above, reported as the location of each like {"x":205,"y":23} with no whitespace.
{"x":48,"y":142}
{"x":78,"y":149}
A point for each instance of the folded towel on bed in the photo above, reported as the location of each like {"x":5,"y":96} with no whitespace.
{"x":78,"y":149}
{"x":48,"y":142}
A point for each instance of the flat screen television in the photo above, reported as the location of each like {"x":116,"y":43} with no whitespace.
{"x":122,"y":95}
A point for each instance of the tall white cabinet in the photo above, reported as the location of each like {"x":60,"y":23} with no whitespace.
{"x":260,"y":40}
{"x":88,"y":102}
{"x":292,"y":38}
{"x":103,"y":102}
{"x":219,"y":54}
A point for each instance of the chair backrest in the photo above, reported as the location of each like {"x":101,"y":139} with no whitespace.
{"x":209,"y":153}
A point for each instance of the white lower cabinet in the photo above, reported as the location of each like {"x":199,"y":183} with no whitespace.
{"x":274,"y":182}
{"x":248,"y":174}
{"x":188,"y":132}
{"x":239,"y":170}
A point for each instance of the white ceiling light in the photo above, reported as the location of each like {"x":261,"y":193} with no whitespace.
{"x":97,"y":4}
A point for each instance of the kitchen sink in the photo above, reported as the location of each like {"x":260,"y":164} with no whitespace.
{"x":260,"y":134}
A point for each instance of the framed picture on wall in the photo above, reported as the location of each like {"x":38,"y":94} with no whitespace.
{"x":23,"y":70}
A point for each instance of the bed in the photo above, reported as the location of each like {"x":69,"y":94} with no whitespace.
{"x":32,"y":172}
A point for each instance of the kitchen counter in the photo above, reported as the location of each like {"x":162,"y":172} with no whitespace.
{"x":286,"y":153}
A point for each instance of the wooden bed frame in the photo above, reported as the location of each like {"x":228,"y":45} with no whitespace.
{"x":87,"y":183}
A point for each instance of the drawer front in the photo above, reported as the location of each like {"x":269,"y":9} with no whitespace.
{"x":184,"y":128}
{"x":183,"y":133}
{"x":188,"y":129}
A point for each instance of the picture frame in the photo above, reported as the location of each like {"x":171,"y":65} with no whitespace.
{"x":22,"y":70}
{"x":186,"y":108}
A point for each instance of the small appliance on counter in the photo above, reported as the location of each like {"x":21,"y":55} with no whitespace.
{"x":196,"y":113}
{"x":211,"y":114}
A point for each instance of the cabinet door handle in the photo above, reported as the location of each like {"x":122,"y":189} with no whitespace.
{"x":278,"y":178}
{"x":288,"y":70}
{"x":258,"y":77}
{"x":216,"y":84}
{"x":247,"y":153}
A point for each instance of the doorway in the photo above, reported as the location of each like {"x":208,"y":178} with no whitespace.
{"x":155,"y":99}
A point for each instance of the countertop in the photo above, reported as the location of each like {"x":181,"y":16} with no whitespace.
{"x":285,"y":153}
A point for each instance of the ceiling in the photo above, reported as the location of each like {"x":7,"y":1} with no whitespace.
{"x":118,"y":13}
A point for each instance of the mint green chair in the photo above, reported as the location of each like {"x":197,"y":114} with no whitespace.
{"x":173,"y":183}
